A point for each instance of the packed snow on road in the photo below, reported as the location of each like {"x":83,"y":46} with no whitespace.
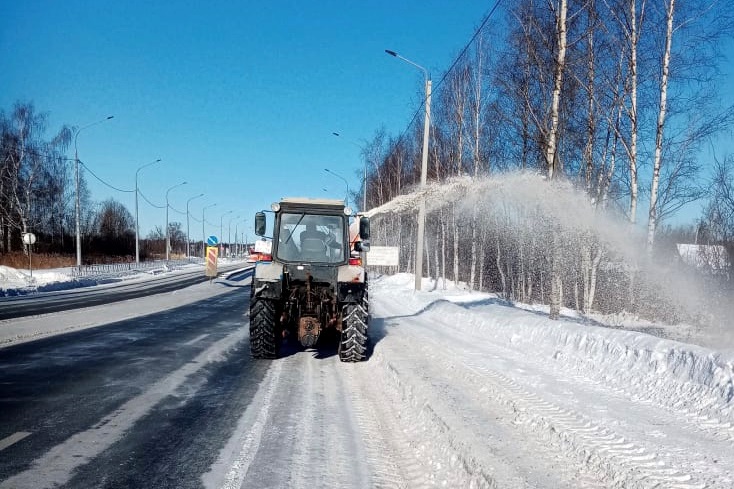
{"x":461,"y":389}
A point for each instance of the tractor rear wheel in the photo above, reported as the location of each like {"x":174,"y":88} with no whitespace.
{"x":264,"y":338}
{"x":353,"y":341}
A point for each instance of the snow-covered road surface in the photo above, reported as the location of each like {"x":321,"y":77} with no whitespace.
{"x":460,"y":390}
{"x":479,"y":394}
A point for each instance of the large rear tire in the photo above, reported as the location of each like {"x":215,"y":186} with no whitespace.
{"x":264,"y":338}
{"x":353,"y":341}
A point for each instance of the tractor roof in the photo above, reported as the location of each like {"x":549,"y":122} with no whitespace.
{"x":309,"y":201}
{"x":319,"y":206}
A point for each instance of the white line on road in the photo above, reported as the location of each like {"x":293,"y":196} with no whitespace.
{"x":56,"y":466}
{"x":195,"y":340}
{"x":235,"y":458}
{"x":12,"y":439}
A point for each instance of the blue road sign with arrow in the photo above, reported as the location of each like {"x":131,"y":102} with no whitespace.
{"x":212,"y":241}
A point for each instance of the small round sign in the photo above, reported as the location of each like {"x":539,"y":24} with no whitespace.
{"x":29,"y":238}
{"x":212,"y":240}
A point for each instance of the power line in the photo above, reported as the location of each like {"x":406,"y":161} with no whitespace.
{"x":149,"y":202}
{"x":102,"y":181}
{"x":453,"y":65}
{"x":176,"y":210}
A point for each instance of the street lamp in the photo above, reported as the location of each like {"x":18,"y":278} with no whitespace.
{"x":229,"y":235}
{"x":424,"y":170}
{"x":229,"y":231}
{"x":203,"y":232}
{"x":221,"y":228}
{"x":346,"y":198}
{"x":77,"y":211}
{"x":241,"y":237}
{"x":188,"y":228}
{"x":137,"y":224}
{"x":364,"y":191}
{"x":168,"y":234}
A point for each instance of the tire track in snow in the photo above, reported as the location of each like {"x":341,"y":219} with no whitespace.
{"x":716,"y":422}
{"x":429,"y":454}
{"x":309,"y":400}
{"x":704,"y":466}
{"x":430,"y":434}
{"x":619,"y":462}
{"x":369,"y":417}
{"x":712,"y":425}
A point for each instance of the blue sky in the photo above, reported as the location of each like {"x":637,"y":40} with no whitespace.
{"x":239,"y":99}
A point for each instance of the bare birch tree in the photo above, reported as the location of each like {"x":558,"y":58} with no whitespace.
{"x":659,"y":128}
{"x":561,"y":13}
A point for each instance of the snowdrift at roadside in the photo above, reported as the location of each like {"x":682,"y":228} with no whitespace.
{"x":688,"y":379}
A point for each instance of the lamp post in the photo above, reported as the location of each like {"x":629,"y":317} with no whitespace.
{"x":243,"y":236}
{"x":137,"y":224}
{"x":203,"y":232}
{"x":188,"y":228}
{"x":364,"y":191}
{"x":221,"y":226}
{"x":77,"y":206}
{"x":236,"y":242}
{"x":229,"y":234}
{"x":168,"y":234}
{"x":424,"y":170}
{"x":221,"y":231}
{"x":346,"y":198}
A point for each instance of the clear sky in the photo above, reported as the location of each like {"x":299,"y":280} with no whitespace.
{"x":239,"y":99}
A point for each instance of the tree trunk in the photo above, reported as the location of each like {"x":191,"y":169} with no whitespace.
{"x":500,"y":268}
{"x":472,"y":273}
{"x":552,"y":143}
{"x":555,"y":279}
{"x":586,"y":274}
{"x":652,"y":219}
{"x":592,"y":280}
{"x":591,"y":107}
{"x":443,"y":248}
{"x":482,"y":256}
{"x":456,"y":246}
{"x":633,"y":112}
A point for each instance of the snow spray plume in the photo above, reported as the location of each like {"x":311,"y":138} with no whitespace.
{"x":521,"y":225}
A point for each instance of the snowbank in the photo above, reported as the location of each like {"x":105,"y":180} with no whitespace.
{"x":692,"y":380}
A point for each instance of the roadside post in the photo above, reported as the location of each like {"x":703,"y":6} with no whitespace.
{"x":29,"y":239}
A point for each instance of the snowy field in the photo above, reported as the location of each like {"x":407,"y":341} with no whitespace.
{"x":464,"y":390}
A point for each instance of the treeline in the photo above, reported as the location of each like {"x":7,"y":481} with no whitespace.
{"x":617,"y":98}
{"x":38,"y":195}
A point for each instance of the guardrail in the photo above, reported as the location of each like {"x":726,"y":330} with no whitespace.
{"x":124,"y":268}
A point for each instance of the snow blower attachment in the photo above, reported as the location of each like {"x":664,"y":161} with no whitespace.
{"x":313,"y":282}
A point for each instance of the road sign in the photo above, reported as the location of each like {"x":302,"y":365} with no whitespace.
{"x":212,"y":240}
{"x":212,"y":252}
{"x":263,"y":246}
{"x":387,"y":256}
{"x":29,"y":238}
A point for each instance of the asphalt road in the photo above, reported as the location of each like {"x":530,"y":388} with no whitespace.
{"x":47,"y":302}
{"x":173,"y":383}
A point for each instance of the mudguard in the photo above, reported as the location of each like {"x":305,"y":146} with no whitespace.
{"x":267,"y":282}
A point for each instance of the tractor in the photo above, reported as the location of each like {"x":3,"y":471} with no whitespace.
{"x":312,"y":281}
